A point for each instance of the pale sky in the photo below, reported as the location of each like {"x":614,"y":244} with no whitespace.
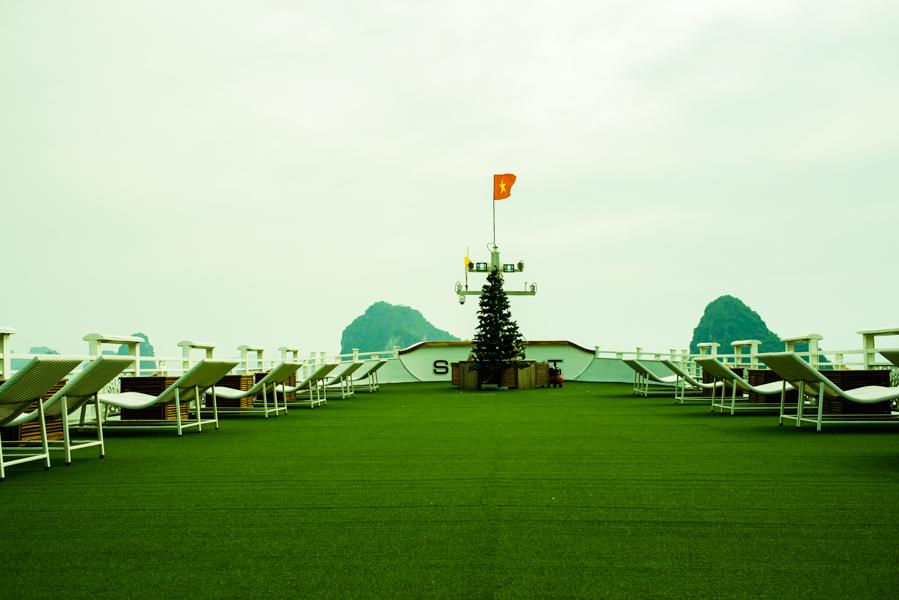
{"x":248,"y":172}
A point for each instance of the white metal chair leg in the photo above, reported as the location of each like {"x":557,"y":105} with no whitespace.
{"x":99,"y":427}
{"x":66,"y":441}
{"x":45,"y":445}
{"x":199,"y":416}
{"x":215,"y":408}
{"x":178,"y":409}
{"x":265,"y":403}
{"x":783,"y":398}
{"x":820,"y":405}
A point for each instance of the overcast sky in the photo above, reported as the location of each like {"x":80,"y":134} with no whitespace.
{"x":249,"y":172}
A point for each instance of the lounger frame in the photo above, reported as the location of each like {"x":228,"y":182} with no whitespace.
{"x":814,"y":386}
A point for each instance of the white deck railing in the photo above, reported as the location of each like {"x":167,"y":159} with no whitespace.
{"x":253,"y":359}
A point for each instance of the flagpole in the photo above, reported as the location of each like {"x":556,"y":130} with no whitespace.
{"x":494,"y":222}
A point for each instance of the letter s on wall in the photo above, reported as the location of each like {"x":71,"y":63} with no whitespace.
{"x":441,"y":367}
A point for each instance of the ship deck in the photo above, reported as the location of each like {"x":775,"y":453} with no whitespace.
{"x":424,"y":491}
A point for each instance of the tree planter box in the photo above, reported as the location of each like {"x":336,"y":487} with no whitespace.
{"x":469,"y":379}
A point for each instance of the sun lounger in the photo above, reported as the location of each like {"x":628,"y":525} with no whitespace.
{"x":27,"y":386}
{"x":205,"y":374}
{"x":341,"y":379}
{"x":643,"y":378}
{"x":724,"y":374}
{"x":891,"y":354}
{"x":369,"y":372}
{"x":265,"y":386}
{"x":811,"y":382}
{"x":694,"y":383}
{"x":75,"y":395}
{"x":312,"y":385}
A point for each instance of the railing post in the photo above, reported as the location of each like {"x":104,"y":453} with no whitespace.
{"x":868,"y":353}
{"x":310,"y":364}
{"x":187,"y":346}
{"x":708,"y":348}
{"x":245,"y":350}
{"x":812,"y":339}
{"x":95,"y":343}
{"x":5,"y":332}
{"x":639,"y":352}
{"x":396,"y":352}
{"x":355,"y":354}
{"x":294,"y":354}
{"x":596,"y":354}
{"x":753,"y":351}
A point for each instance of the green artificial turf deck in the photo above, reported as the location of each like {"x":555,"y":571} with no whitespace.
{"x":423,"y":491}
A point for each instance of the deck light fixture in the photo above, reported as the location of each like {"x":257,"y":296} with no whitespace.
{"x":507,"y":268}
{"x":481,"y":267}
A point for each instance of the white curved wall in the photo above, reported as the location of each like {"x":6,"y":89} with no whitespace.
{"x":432,"y":363}
{"x":572,"y":360}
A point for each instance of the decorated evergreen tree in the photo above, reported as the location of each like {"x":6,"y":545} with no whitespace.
{"x":498,"y":345}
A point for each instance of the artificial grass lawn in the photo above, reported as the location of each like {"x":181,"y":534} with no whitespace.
{"x":423,"y":491}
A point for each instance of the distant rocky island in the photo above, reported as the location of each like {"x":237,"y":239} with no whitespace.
{"x":728,"y":319}
{"x":385,"y":325}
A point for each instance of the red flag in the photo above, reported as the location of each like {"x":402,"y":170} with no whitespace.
{"x":502,"y":186}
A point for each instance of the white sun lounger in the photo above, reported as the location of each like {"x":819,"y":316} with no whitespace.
{"x":643,"y":378}
{"x":341,"y":379}
{"x":722,"y":373}
{"x":891,"y":354}
{"x":811,"y":382}
{"x":265,"y":386}
{"x":205,"y":374}
{"x":75,"y":395}
{"x":695,"y":383}
{"x":369,"y":372}
{"x":313,"y":385}
{"x":27,"y":386}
